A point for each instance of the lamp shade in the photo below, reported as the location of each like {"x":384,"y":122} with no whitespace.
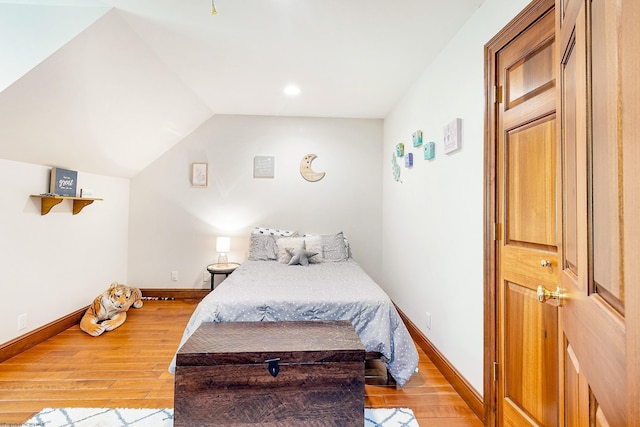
{"x":223,"y":244}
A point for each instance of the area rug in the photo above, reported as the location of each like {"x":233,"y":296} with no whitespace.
{"x":395,"y":417}
{"x":97,"y":417}
{"x":101,"y":417}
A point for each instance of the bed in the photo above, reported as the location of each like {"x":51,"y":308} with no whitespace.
{"x":267,"y":287}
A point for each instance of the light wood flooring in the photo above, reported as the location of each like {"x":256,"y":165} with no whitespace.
{"x":127,"y":368}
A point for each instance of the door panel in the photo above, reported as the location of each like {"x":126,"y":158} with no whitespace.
{"x":591,"y":326}
{"x":527,"y":209}
{"x":531,"y":354}
{"x":531,"y":193}
{"x":605,"y":147}
{"x":530,"y":76}
{"x":569,"y":162}
{"x":576,"y":392}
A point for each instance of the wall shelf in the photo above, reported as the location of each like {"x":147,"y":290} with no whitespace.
{"x":47,"y":202}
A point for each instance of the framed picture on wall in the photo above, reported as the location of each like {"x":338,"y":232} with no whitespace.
{"x":453,"y":136}
{"x":263,"y":166}
{"x":199,"y":174}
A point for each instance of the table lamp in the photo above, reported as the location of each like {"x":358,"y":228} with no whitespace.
{"x":223,"y":245}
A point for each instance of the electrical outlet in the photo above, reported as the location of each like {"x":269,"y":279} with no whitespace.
{"x":428,"y":320}
{"x":174,"y":276}
{"x":22,"y":321}
{"x":206,"y":276}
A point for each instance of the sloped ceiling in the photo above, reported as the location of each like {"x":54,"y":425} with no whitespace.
{"x":108,"y":86}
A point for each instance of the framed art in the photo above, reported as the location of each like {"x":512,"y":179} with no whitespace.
{"x":453,"y":136}
{"x":417,"y":138}
{"x":263,"y":166}
{"x":429,"y":150}
{"x":408,"y":160}
{"x":199,"y":174}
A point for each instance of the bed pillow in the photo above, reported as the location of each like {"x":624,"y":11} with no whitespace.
{"x":334,"y":246}
{"x":313,"y":244}
{"x":300,"y":256}
{"x":274,"y":232}
{"x":263,"y":248}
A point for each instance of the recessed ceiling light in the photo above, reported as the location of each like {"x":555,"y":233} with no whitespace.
{"x":292,"y":90}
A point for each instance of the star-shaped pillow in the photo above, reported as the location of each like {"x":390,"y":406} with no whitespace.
{"x":301,"y":255}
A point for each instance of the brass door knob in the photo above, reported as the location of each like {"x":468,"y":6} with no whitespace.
{"x":544,"y":294}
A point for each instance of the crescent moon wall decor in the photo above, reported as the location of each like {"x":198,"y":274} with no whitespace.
{"x":306,"y":171}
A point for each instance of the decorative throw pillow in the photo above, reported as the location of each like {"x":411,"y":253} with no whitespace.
{"x":314,"y":244}
{"x":263,"y":248}
{"x":300,"y":256}
{"x":334,"y":246}
{"x":274,"y":232}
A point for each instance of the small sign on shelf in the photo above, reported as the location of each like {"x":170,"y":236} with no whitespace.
{"x":63,"y":182}
{"x":86,"y":192}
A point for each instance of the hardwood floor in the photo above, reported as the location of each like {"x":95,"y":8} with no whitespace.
{"x":127,"y":368}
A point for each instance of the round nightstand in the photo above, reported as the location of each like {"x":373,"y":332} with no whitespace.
{"x":225,"y":269}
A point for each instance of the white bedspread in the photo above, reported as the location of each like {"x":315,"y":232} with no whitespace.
{"x":272,"y":291}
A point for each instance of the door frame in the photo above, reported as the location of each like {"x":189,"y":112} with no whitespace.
{"x":523,"y":20}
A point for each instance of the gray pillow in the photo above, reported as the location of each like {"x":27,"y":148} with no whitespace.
{"x":333,"y":247}
{"x":263,"y":248}
{"x":274,"y":232}
{"x":300,"y":255}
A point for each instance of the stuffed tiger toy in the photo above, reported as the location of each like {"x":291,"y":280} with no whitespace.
{"x":109,"y":310}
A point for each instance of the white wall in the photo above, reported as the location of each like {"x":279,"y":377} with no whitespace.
{"x":430,"y":225}
{"x":52,"y":265}
{"x":432,"y":221}
{"x":173,"y":225}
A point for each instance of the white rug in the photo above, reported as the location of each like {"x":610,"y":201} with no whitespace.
{"x":101,"y":417}
{"x":396,"y":417}
{"x":96,"y":417}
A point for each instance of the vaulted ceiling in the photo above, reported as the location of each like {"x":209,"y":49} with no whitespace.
{"x":107,"y":86}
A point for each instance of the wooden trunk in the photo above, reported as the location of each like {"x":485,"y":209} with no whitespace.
{"x":315,"y":377}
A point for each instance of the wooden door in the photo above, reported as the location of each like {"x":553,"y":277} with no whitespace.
{"x":527,"y":248}
{"x":595,"y":313}
{"x":592,"y":251}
